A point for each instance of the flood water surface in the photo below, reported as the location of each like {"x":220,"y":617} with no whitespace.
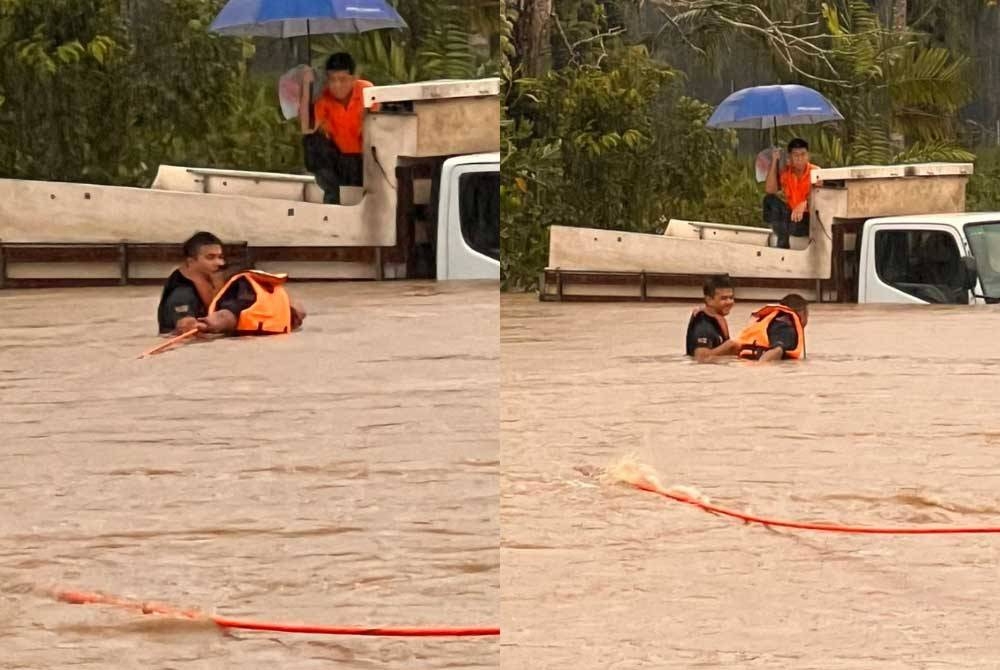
{"x":343,"y":475}
{"x":892,"y":421}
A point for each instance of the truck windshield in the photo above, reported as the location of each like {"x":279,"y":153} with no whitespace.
{"x":984,"y":238}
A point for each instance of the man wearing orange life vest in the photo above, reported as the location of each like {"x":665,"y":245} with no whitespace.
{"x":776,"y":331}
{"x":791,"y":216}
{"x":708,"y":332}
{"x":250,"y":302}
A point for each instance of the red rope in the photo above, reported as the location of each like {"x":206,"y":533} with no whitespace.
{"x":88,"y":598}
{"x":169,"y":343}
{"x":644,"y":485}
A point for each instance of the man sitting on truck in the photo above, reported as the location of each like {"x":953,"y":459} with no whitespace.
{"x":334,"y":144}
{"x":791,"y":215}
{"x":777,"y":331}
{"x":250,"y":302}
{"x":708,"y":332}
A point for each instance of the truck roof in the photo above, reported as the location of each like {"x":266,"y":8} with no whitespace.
{"x":469,"y":159}
{"x":953,"y":218}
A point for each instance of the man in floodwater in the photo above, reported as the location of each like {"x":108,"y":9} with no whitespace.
{"x":250,"y":302}
{"x":192,"y":286}
{"x":777,"y":331}
{"x":708,"y":331}
{"x":789,"y":217}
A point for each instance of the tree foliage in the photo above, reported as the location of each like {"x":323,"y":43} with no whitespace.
{"x":91,"y":98}
{"x":445,"y":39}
{"x":90,"y":94}
{"x":610,"y":142}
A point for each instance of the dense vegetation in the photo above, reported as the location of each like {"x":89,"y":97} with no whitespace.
{"x":103,"y":91}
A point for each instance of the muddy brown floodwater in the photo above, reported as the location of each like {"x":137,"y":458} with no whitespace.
{"x":344,"y":475}
{"x":892,"y":421}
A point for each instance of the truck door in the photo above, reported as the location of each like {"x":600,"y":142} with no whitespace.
{"x":469,"y":238}
{"x":913,"y":263}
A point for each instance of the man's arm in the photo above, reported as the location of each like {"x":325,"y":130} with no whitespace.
{"x":238,"y":297}
{"x":799,"y":211}
{"x":705,"y":354}
{"x":802,"y":208}
{"x":770,"y":355}
{"x":222,"y":321}
{"x":704,"y":335}
{"x":782,"y":337}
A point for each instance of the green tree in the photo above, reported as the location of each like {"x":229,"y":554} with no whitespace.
{"x":610,"y":141}
{"x":91,"y":98}
{"x":444,"y":40}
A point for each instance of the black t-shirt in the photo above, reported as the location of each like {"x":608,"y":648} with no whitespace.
{"x":179,"y":299}
{"x":781,"y":333}
{"x":703,"y":331}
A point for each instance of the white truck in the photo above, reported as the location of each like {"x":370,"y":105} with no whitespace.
{"x":878,"y":234}
{"x":428,"y":209}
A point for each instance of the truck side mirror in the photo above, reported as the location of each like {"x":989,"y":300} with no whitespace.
{"x":971,"y":275}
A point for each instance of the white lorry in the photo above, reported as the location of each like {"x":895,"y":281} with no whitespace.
{"x":878,"y":234}
{"x":429,"y":207}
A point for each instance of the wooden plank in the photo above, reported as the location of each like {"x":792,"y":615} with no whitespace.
{"x":572,"y":285}
{"x":663,"y":279}
{"x":314,"y":254}
{"x":174,"y":252}
{"x":61,"y":253}
{"x":79,"y":282}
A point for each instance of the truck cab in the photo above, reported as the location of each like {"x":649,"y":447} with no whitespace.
{"x":951,"y":259}
{"x":468,"y":237}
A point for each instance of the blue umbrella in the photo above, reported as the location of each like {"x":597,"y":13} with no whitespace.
{"x":294,"y":18}
{"x":763,"y":107}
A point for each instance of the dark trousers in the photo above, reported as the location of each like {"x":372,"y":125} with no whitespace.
{"x":331,"y":168}
{"x":778,"y":215}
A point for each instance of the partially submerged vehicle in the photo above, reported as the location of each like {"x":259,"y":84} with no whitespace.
{"x":429,"y":207}
{"x":878,"y":234}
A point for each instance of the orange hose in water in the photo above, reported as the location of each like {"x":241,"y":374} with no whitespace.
{"x":169,"y":343}
{"x":88,"y":598}
{"x":634,"y":476}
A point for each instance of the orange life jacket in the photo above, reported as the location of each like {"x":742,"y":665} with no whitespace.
{"x":271,"y":313}
{"x":754,"y":340}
